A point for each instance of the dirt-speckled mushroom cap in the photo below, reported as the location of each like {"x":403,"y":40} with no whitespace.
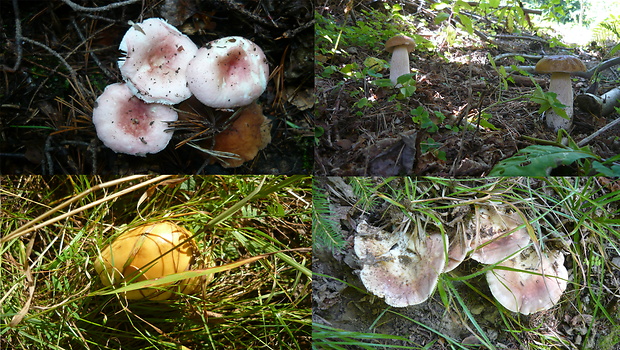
{"x":400,"y":40}
{"x":157,"y":55}
{"x":533,"y":285}
{"x":130,"y":258}
{"x":398,"y":266}
{"x":126,"y":124}
{"x":228,"y":72}
{"x":560,"y":64}
{"x":495,"y":234}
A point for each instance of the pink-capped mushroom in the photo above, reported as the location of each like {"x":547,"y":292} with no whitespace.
{"x":402,"y":266}
{"x":496,"y":235}
{"x":126,"y":124}
{"x":157,"y":55}
{"x":531,"y":283}
{"x":228,"y":72}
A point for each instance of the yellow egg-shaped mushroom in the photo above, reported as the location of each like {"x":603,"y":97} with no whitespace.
{"x":149,"y":252}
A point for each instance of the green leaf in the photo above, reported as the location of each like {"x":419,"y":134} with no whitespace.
{"x":466,"y":22}
{"x":442,"y":16}
{"x":538,"y":160}
{"x":614,"y":171}
{"x":382,"y":83}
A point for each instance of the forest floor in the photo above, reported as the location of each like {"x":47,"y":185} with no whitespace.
{"x":462,"y":313}
{"x":368,"y":130}
{"x":46,"y":105}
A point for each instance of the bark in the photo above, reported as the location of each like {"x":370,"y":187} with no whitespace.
{"x":599,"y":106}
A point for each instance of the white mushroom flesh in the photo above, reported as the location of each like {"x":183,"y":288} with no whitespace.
{"x":560,"y":83}
{"x":399,"y":63}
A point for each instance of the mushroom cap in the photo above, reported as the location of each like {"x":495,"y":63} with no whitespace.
{"x":128,"y":257}
{"x":537,"y":286}
{"x":491,"y":242}
{"x":248,"y":134}
{"x":401,"y":268}
{"x":157,"y":55}
{"x":228,"y":72}
{"x":560,"y":64}
{"x":400,"y":40}
{"x":128,"y":125}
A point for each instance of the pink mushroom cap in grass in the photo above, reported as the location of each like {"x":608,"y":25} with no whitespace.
{"x":126,"y":124}
{"x":228,"y":72}
{"x":402,"y":267}
{"x":157,"y":55}
{"x":529,"y":283}
{"x":496,"y":235}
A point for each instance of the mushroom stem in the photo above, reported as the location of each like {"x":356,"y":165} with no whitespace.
{"x":561,"y":84}
{"x":399,"y":64}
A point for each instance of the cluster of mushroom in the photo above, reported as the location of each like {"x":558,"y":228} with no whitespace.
{"x":149,"y":252}
{"x":163,"y":67}
{"x":404,"y":266}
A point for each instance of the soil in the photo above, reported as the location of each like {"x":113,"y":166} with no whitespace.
{"x":341,"y":301}
{"x":456,"y":80}
{"x":45,"y":109}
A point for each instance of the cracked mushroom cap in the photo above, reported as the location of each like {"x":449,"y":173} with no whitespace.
{"x":128,"y":258}
{"x":228,"y":72}
{"x":401,"y":268}
{"x":126,"y":124}
{"x":537,"y":285}
{"x":157,"y":55}
{"x":490,"y":228}
{"x":560,"y":64}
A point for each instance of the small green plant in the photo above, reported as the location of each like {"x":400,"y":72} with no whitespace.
{"x":421,"y":117}
{"x":326,"y":232}
{"x":430,"y":145}
{"x":548,"y":100}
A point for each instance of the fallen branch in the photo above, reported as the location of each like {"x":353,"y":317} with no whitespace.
{"x":520,"y":37}
{"x":77,"y":7}
{"x":598,"y":132}
{"x":18,"y":41}
{"x":599,"y":106}
{"x":512,"y":54}
{"x":525,"y":10}
{"x":587,"y":74}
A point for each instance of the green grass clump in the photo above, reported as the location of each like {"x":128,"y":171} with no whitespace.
{"x":50,"y":296}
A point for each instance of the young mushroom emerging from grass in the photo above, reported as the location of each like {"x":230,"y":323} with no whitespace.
{"x":149,"y":252}
{"x":228,"y":72}
{"x":400,"y":46}
{"x":157,"y":55}
{"x":126,"y":124}
{"x":560,"y":68}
